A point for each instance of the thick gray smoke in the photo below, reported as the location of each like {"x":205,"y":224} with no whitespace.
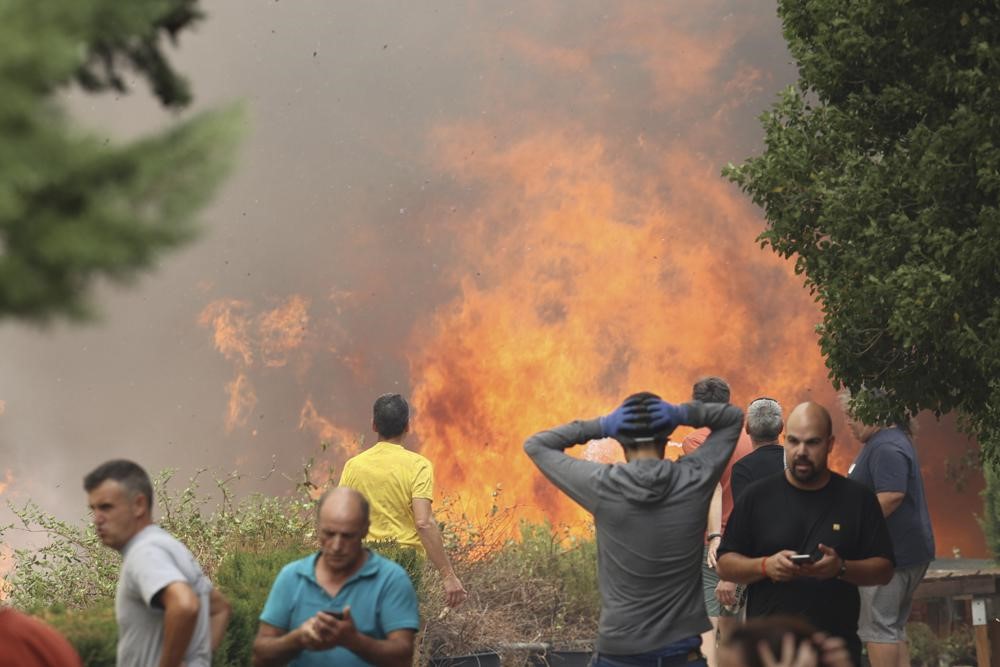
{"x":339,"y":197}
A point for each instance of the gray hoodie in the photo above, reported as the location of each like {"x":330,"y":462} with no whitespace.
{"x":650,"y":517}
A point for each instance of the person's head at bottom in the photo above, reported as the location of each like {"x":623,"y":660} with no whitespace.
{"x":764,"y":642}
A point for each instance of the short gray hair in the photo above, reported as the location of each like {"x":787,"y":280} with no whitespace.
{"x":764,"y":419}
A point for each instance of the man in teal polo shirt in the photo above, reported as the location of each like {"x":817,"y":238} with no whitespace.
{"x":343,"y":605}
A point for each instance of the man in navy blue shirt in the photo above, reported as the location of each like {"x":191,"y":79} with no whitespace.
{"x":888,"y":466}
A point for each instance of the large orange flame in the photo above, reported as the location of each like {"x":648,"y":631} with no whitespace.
{"x":601,"y":282}
{"x":596,"y":252}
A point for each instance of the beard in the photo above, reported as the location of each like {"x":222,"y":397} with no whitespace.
{"x":810,"y":472}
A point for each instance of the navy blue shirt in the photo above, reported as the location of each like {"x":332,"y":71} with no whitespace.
{"x":888,"y":463}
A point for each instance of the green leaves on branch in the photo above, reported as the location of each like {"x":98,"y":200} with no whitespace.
{"x":73,"y":206}
{"x":880,"y":178}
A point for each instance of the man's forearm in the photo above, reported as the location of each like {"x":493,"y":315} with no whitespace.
{"x":715,"y":512}
{"x":219,"y":612}
{"x":430,"y":537}
{"x":559,"y":438}
{"x":868,"y":572}
{"x":391,"y":652}
{"x":277,"y":651}
{"x":739,"y":568}
{"x":178,"y":627}
{"x":218,"y":622}
{"x":725,"y":422}
{"x":714,"y":416}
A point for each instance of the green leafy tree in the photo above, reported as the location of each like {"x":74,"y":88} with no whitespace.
{"x":990,"y":520}
{"x":73,"y":206}
{"x":881,"y":176}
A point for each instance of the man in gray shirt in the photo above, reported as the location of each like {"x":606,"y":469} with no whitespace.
{"x":650,"y":519}
{"x":167,"y":611}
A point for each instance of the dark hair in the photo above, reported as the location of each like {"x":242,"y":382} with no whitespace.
{"x":125,"y":472}
{"x":711,"y":389}
{"x":771,"y":630}
{"x":391,"y":415}
{"x":640,"y":433}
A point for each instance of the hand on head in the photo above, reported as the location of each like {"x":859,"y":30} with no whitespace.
{"x":643,"y":415}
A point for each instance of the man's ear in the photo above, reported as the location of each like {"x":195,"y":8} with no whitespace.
{"x":373,"y":426}
{"x":140,"y":504}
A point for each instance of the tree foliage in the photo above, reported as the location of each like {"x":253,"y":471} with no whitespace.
{"x":881,"y":176}
{"x":990,"y":519}
{"x":75,"y":206}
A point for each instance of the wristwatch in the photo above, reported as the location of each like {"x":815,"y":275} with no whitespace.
{"x":712,"y":536}
{"x":843,"y":569}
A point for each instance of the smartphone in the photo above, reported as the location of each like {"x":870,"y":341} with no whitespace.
{"x":801,"y":559}
{"x":336,"y":613}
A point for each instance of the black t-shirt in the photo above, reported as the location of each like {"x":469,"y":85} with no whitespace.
{"x":758,"y":464}
{"x":773,"y":515}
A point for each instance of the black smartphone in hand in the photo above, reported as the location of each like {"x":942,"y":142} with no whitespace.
{"x":336,"y":613}
{"x":801,"y":559}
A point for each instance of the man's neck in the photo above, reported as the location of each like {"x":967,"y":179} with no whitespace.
{"x":324,"y":574}
{"x":398,"y":440}
{"x":869,"y":432}
{"x":763,"y":443}
{"x":643,"y":453}
{"x":142,"y":525}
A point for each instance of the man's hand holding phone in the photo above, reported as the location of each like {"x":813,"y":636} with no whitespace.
{"x":826,"y":567}
{"x":779,"y":567}
{"x":328,"y":628}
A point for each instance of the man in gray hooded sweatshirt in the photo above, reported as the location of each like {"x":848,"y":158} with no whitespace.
{"x":650,"y":519}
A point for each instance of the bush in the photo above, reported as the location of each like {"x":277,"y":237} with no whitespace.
{"x":959,"y":648}
{"x":542,"y":587}
{"x":539,"y":587}
{"x":925,"y":647}
{"x":245,"y":578}
{"x":92,"y":632}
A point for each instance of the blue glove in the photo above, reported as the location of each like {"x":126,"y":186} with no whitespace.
{"x":665,"y":416}
{"x":623,"y":417}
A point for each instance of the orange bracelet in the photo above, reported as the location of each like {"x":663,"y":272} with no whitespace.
{"x":763,"y":567}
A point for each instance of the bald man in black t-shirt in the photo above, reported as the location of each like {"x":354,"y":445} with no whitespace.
{"x":808,"y":510}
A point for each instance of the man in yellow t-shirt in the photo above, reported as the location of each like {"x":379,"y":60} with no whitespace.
{"x":399,"y":486}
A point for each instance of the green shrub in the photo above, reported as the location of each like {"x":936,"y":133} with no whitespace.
{"x":539,"y":587}
{"x":245,"y":578}
{"x":93,"y":632}
{"x":959,"y":648}
{"x":925,"y":647}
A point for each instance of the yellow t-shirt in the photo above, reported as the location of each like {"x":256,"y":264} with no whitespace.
{"x":390,"y":477}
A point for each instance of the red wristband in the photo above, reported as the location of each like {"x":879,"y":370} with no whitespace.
{"x":763,"y":567}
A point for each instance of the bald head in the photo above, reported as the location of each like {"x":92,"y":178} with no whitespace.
{"x":342,"y":503}
{"x":808,"y":440}
{"x":811,"y":414}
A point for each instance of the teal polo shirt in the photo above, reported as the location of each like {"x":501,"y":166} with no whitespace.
{"x":380,"y":595}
